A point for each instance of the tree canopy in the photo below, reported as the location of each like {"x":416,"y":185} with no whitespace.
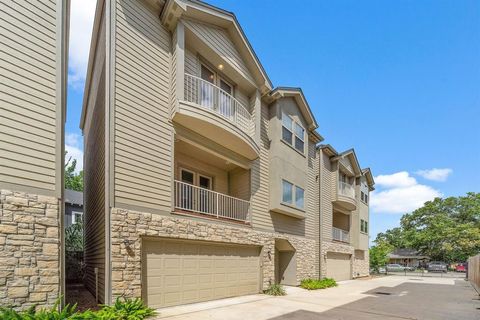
{"x":73,"y":180}
{"x":444,"y":229}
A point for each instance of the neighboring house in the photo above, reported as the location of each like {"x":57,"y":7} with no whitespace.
{"x":408,"y":258}
{"x":33,"y":73}
{"x":344,"y":214}
{"x":73,"y":207}
{"x":201,"y":180}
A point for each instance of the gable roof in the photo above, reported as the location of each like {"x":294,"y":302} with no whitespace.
{"x":350,"y":154}
{"x":297,"y":94}
{"x":369,"y":176}
{"x":201,"y":11}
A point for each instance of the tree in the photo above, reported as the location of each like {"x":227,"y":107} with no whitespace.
{"x":73,"y":181}
{"x":443,"y":229}
{"x":379,"y":254}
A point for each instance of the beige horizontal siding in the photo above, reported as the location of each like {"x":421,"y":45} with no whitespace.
{"x":142,"y":133}
{"x":28,"y":93}
{"x":259,"y":178}
{"x":327,"y":185}
{"x":219,"y":40}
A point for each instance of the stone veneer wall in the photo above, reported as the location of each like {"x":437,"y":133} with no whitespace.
{"x":333,"y":247}
{"x":29,"y":249}
{"x":361,"y":267}
{"x":132,"y":226}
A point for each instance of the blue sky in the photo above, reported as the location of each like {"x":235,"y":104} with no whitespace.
{"x":396,"y":80}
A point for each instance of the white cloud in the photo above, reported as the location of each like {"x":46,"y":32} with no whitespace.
{"x":74,"y":149}
{"x":400,"y":193}
{"x":435,"y":174}
{"x":82,"y":13}
{"x":396,"y":180}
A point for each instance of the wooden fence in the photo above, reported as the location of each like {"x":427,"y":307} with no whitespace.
{"x":474,"y":271}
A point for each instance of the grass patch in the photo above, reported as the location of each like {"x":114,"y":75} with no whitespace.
{"x":125,"y":309}
{"x":315,"y":284}
{"x":275,"y":290}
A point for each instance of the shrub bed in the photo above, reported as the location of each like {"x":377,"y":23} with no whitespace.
{"x":314,"y":284}
{"x":122,"y":309}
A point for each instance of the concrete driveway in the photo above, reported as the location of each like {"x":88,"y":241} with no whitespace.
{"x":391,"y":297}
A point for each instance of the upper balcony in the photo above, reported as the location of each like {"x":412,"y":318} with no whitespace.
{"x":346,"y":196}
{"x":215,"y":114}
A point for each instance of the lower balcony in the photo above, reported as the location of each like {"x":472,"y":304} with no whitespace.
{"x":340,"y":235}
{"x":195,"y":199}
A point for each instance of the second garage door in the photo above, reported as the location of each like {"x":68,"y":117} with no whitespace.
{"x":179,"y":272}
{"x":339,"y":266}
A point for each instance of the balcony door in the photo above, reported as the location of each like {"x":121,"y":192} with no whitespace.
{"x":227,"y":108}
{"x":195,"y":193}
{"x":207,"y":97}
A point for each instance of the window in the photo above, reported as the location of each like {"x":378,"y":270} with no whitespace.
{"x":362,"y":195}
{"x":77,"y":217}
{"x":366,"y":198}
{"x":293,"y":195}
{"x":299,"y":197}
{"x":293,"y":133}
{"x":287,"y":132}
{"x":299,"y":137}
{"x":287,"y":190}
{"x":363,"y":226}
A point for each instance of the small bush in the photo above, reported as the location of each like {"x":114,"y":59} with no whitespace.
{"x":314,"y":284}
{"x":275,"y":290}
{"x":126,"y":309}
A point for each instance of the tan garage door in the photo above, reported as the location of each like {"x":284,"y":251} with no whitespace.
{"x":338,"y":266}
{"x":179,"y":272}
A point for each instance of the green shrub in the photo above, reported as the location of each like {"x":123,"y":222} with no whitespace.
{"x":314,"y":284}
{"x":275,"y":290}
{"x":126,"y":309}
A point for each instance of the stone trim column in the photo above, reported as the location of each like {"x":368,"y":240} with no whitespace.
{"x":29,"y":249}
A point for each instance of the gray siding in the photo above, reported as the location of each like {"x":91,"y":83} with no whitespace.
{"x":94,"y":216}
{"x":28,"y":97}
{"x":142,"y":132}
{"x":94,"y":172}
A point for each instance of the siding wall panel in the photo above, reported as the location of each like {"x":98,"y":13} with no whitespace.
{"x":142,"y":82}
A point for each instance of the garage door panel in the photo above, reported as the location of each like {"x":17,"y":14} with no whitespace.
{"x":339,"y":266}
{"x":178,"y":272}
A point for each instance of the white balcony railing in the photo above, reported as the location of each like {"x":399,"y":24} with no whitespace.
{"x":340,"y":235}
{"x":346,"y":189}
{"x":196,"y":199}
{"x":209,"y":96}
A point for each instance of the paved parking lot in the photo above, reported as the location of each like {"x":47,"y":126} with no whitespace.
{"x":391,"y":298}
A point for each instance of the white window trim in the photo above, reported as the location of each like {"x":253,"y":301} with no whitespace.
{"x":293,"y":204}
{"x":74,"y":216}
{"x":294,"y":134}
{"x":196,"y":177}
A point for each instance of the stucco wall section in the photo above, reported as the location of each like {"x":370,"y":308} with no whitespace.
{"x":133,"y":226}
{"x":29,"y":249}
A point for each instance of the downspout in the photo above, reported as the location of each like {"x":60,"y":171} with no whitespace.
{"x":109,"y":93}
{"x":320,"y":153}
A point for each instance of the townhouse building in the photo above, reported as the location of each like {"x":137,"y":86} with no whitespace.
{"x":344,"y":214}
{"x":202,"y":180}
{"x":33,"y":73}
